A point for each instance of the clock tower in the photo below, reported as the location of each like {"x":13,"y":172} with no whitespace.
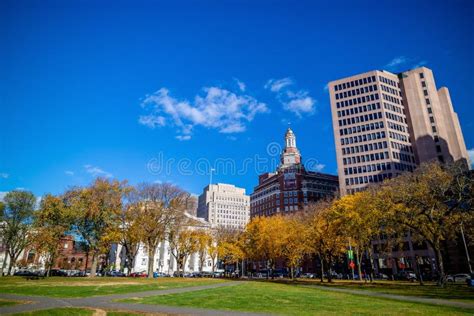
{"x":291,"y":155}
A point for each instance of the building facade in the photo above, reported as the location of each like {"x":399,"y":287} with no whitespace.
{"x":224,"y":205}
{"x":433,"y":125}
{"x":164,"y":260}
{"x":291,"y":187}
{"x":385,"y":124}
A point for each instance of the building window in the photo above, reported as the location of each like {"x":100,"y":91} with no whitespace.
{"x":422,"y":75}
{"x":428,"y":101}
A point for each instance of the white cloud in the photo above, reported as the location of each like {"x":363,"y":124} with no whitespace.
{"x":151,"y":121}
{"x":300,"y":106}
{"x":69,"y":172}
{"x":241,"y":85}
{"x":326,"y":87}
{"x":470,"y":153}
{"x":276,"y":85}
{"x":397,"y":62}
{"x":96,"y":171}
{"x":218,"y":108}
{"x":183,"y":137}
{"x":2,"y":195}
{"x":4,"y":175}
{"x":298,"y":102}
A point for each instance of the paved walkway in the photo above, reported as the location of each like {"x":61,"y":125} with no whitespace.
{"x":107,"y":302}
{"x":404,"y":298}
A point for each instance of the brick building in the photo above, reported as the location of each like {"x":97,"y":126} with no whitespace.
{"x":291,"y":187}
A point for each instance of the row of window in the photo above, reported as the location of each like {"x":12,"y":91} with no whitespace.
{"x":391,"y":90}
{"x":395,"y":117}
{"x":364,"y":148}
{"x":354,"y":92}
{"x":372,"y":157}
{"x":368,"y":179}
{"x":400,"y":137}
{"x":359,"y":109}
{"x":368,"y":168}
{"x":360,"y":128}
{"x":401,"y":147}
{"x":403,"y":167}
{"x":393,"y":108}
{"x":391,"y":99}
{"x":360,"y":119}
{"x":362,"y":138}
{"x":354,"y":83}
{"x":403,"y":157}
{"x":389,"y":82}
{"x":359,"y":100}
{"x":396,"y":127}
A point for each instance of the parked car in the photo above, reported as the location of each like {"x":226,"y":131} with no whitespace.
{"x":26,"y":272}
{"x":141,"y":274}
{"x":308,"y":276}
{"x":115,"y":274}
{"x":57,"y":272}
{"x":458,"y":278}
{"x":406,"y":275}
{"x":381,"y":276}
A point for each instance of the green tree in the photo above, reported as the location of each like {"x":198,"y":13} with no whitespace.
{"x":431,"y":203}
{"x":95,"y":213}
{"x":51,"y":222}
{"x":16,"y":224}
{"x":158,"y":205}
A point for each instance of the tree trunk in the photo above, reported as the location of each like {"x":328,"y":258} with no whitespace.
{"x":4,"y":264}
{"x":439,"y":262}
{"x":372,"y":268}
{"x":359,"y":260}
{"x":151,"y":261}
{"x":322,"y":268}
{"x":94,"y":265}
{"x":330,"y":269}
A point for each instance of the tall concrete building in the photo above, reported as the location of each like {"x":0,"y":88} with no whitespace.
{"x":385,"y":124}
{"x":291,"y":187}
{"x":224,"y":205}
{"x":434,"y":126}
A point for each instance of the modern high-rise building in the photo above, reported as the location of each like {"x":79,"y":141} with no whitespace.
{"x":433,"y":125}
{"x":224,"y":205}
{"x":291,"y":187}
{"x":385,"y":124}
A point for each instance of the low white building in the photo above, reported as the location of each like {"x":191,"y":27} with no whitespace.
{"x":164,"y":260}
{"x":224,"y":205}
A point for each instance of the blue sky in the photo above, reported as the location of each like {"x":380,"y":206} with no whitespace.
{"x":114,"y":89}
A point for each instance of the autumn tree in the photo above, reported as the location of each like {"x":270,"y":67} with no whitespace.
{"x":325,"y":234}
{"x":431,"y":203}
{"x":264,"y":241}
{"x":158,"y":206}
{"x":230,"y":247}
{"x":51,"y":222}
{"x":95,"y":212}
{"x":296,"y":236}
{"x":16,"y":224}
{"x":362,"y":222}
{"x":204,"y":238}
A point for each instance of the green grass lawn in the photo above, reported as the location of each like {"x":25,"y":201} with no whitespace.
{"x":83,"y":287}
{"x":455,"y":292}
{"x":286,"y":299}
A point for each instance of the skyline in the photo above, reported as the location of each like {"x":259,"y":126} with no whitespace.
{"x":225,"y":89}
